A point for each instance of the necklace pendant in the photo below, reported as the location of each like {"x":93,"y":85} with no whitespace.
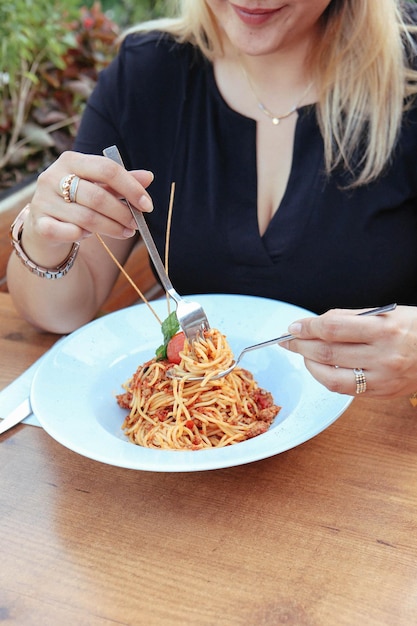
{"x":275,"y":121}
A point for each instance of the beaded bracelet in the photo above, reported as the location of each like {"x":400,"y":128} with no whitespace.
{"x":16,"y":231}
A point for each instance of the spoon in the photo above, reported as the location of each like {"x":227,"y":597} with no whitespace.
{"x":170,"y":374}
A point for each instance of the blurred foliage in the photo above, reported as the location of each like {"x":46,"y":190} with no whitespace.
{"x":50,"y":54}
{"x":128,"y":12}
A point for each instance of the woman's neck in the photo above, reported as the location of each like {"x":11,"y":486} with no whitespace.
{"x":277,"y":80}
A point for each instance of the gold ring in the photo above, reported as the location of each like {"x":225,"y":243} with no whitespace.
{"x":66,"y":186}
{"x":360,"y":380}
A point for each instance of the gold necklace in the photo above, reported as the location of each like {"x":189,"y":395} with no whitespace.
{"x":275,"y":119}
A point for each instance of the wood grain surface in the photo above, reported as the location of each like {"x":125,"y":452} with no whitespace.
{"x":324,"y":534}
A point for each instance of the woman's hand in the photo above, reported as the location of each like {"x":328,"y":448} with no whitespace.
{"x":383,"y":346}
{"x":52,"y":226}
{"x":97,"y":206}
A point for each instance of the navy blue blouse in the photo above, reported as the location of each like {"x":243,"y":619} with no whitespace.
{"x":324,"y":248}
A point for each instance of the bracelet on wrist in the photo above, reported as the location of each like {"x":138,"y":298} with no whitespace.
{"x":63,"y":268}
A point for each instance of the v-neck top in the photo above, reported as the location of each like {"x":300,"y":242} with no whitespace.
{"x":325,"y":247}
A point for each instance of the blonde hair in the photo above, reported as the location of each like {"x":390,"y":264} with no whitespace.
{"x":361,"y":64}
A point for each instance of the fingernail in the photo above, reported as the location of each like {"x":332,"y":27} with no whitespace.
{"x":295,"y":328}
{"x":152,"y":175}
{"x":128,"y":232}
{"x":146,"y":204}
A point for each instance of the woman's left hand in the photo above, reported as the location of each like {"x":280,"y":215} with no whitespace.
{"x":338,"y":342}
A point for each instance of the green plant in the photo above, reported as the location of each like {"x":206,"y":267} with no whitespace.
{"x":128,"y":12}
{"x":50,"y":56}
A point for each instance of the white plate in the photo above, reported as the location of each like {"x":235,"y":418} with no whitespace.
{"x":73,"y":390}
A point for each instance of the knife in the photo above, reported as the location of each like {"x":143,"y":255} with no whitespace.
{"x":17,"y":415}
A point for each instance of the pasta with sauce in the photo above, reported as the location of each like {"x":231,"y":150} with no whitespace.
{"x":179,"y":414}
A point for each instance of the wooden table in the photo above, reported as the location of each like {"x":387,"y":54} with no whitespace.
{"x":324,"y":534}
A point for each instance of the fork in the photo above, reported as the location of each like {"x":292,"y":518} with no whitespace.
{"x":171,"y":374}
{"x":191,"y":316}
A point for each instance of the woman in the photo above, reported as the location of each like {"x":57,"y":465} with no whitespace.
{"x":289,"y":128}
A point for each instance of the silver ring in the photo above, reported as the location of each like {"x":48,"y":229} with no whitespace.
{"x":65,"y":187}
{"x":360,"y":380}
{"x":73,"y":188}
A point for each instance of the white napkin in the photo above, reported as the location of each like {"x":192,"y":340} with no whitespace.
{"x":12,"y":395}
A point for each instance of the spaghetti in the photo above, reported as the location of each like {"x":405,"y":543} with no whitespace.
{"x":179,"y":414}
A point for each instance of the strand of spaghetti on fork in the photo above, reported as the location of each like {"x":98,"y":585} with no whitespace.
{"x":168,"y":238}
{"x":206,"y":357}
{"x":126,"y":275}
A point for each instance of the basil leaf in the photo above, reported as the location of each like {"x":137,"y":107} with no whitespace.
{"x":169,"y":328}
{"x":161,"y":352}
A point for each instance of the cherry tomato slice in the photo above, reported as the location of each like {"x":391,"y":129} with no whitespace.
{"x":174,"y":347}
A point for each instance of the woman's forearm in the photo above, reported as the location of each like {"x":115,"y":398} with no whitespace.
{"x":58,"y":305}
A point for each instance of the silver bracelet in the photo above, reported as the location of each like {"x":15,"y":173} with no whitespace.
{"x":16,"y":231}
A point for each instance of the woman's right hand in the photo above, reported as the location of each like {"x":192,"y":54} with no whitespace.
{"x":55,"y":223}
